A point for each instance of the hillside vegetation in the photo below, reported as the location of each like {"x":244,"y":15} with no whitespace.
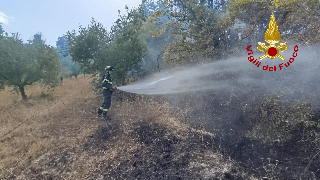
{"x":252,"y":124}
{"x":61,"y":138}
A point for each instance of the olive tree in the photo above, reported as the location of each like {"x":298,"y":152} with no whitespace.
{"x":24,"y":64}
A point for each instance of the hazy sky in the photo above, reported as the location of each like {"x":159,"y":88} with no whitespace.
{"x":53,"y":18}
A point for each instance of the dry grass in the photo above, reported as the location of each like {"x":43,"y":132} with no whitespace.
{"x":26,"y":140}
{"x":63,"y":139}
{"x":8,"y":96}
{"x":13,"y":113}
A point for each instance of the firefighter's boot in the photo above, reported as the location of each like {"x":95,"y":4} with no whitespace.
{"x":100,"y":112}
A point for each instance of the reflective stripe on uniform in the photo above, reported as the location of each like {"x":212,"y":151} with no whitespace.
{"x":106,"y":88}
{"x":105,"y":110}
{"x":101,"y":108}
{"x":107,"y":81}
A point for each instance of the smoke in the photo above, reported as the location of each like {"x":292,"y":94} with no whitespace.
{"x":238,"y":75}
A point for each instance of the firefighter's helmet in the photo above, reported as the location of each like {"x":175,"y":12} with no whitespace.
{"x":110,"y":68}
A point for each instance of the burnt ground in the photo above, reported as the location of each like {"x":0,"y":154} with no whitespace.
{"x":226,"y":115}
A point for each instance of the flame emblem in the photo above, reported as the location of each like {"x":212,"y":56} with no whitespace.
{"x":272,"y":37}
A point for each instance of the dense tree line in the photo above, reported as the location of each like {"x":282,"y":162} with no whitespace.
{"x":93,"y":47}
{"x":164,"y":33}
{"x":205,"y":30}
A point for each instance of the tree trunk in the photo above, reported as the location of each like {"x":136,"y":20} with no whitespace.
{"x":158,"y":65}
{"x":23,"y":93}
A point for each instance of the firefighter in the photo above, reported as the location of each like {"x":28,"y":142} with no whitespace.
{"x":107,"y":91}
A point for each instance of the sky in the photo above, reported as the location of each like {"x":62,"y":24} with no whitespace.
{"x":53,"y":18}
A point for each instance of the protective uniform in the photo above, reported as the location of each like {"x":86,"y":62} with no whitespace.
{"x":107,"y":91}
